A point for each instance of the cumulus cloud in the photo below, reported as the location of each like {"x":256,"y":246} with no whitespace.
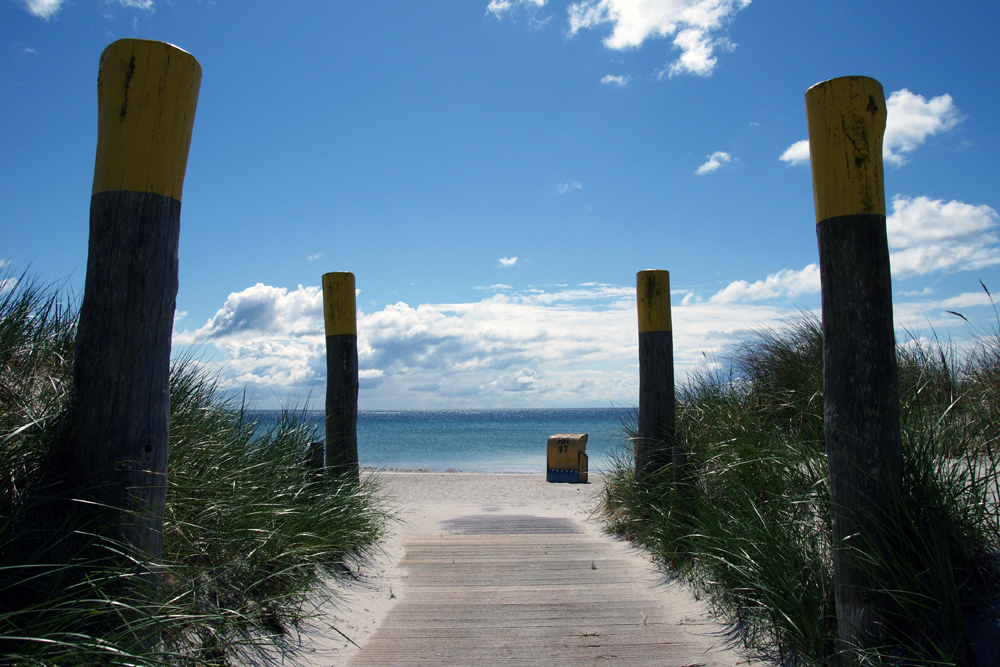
{"x":696,"y":27}
{"x":565,"y":188}
{"x":931,"y":235}
{"x":615,"y":79}
{"x":925,"y":236}
{"x":43,"y":9}
{"x":313,"y":258}
{"x":785,"y":284}
{"x":715,"y":160}
{"x":571,"y":345}
{"x":532,"y":345}
{"x":910,"y":121}
{"x":506,"y":262}
{"x":797,"y":153}
{"x":262,"y":310}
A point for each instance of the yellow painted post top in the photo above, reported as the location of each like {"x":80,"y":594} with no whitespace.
{"x":147,"y":93}
{"x":846,"y":119}
{"x":653,"y":291}
{"x":340,"y":310}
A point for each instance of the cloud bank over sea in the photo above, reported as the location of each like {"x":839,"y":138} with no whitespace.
{"x":564,"y":346}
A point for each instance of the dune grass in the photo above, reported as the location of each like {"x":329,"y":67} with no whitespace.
{"x":251,"y":529}
{"x":755,"y":536}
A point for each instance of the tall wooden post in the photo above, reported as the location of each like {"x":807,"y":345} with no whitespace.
{"x":340,"y":316}
{"x":860,"y":386}
{"x":146,"y":98}
{"x":655,"y":444}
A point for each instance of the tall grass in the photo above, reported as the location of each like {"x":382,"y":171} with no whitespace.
{"x":756,"y":538}
{"x":251,"y":530}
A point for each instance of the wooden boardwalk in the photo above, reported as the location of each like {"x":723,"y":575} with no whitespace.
{"x":525,"y":590}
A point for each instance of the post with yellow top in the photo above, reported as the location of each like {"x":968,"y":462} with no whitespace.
{"x":146,"y":97}
{"x":340,"y":316}
{"x":846,"y":119}
{"x":655,"y":447}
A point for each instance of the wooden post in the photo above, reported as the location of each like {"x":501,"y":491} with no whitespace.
{"x":860,"y":386}
{"x":146,"y":98}
{"x":340,"y":315}
{"x":315,"y":456}
{"x":655,"y":443}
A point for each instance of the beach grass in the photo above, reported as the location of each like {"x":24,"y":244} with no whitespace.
{"x":755,"y":535}
{"x":252,"y":531}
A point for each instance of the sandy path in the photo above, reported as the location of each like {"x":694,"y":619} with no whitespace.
{"x":428,"y":505}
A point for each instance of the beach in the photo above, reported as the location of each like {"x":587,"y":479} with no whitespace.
{"x":440,"y":503}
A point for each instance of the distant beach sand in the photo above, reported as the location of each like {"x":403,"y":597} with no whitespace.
{"x":423,"y":501}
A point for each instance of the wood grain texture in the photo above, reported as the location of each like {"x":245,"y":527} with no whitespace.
{"x":861,"y":411}
{"x":654,"y":444}
{"x":526,"y":598}
{"x":122,"y":365}
{"x":847,"y":118}
{"x":342,"y":405}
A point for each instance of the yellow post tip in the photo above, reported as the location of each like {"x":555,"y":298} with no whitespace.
{"x":340,"y":304}
{"x":846,"y":118}
{"x":653,"y":294}
{"x":147,"y":92}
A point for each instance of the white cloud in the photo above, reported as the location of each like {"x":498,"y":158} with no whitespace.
{"x":568,"y":346}
{"x":532,"y":345}
{"x":715,"y":160}
{"x":925,"y":236}
{"x":797,"y":153}
{"x":262,"y":310}
{"x":500,"y":7}
{"x":137,"y":4}
{"x":616,"y":79}
{"x":313,"y":258}
{"x":695,"y":26}
{"x":564,"y":188}
{"x":931,"y":235}
{"x":934,"y":312}
{"x":43,"y":9}
{"x":507,"y":261}
{"x":563,"y":346}
{"x":785,"y":284}
{"x":910,"y":121}
{"x":46,"y":9}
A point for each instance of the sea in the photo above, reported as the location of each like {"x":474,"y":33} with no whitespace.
{"x":496,"y":441}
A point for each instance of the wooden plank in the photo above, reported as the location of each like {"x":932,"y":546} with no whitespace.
{"x":525,"y":598}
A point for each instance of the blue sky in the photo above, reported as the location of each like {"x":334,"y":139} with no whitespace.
{"x":495,"y":173}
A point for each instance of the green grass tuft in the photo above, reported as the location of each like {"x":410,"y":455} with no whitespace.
{"x":756,"y":536}
{"x":251,"y":529}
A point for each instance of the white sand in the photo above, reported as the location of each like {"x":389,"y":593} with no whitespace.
{"x":423,"y":500}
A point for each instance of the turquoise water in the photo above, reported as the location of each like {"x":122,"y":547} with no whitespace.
{"x":482,"y":440}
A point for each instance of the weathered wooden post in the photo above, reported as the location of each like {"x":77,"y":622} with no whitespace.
{"x":655,"y":445}
{"x":340,"y":316}
{"x":146,"y":98}
{"x":860,"y":386}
